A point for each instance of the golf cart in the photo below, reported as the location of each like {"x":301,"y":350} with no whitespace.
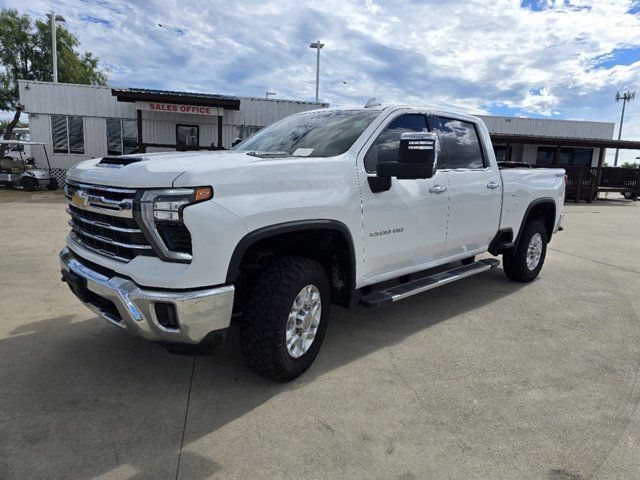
{"x":18,"y":167}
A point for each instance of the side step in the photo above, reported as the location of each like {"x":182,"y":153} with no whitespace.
{"x":400,"y":292}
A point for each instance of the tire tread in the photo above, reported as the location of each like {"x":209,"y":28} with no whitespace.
{"x":261,"y":339}
{"x":515,"y":262}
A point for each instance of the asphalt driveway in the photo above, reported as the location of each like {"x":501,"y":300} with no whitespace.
{"x":483,"y":378}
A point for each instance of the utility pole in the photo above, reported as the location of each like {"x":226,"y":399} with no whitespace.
{"x":54,"y":45}
{"x":625,"y":97}
{"x":317,"y":45}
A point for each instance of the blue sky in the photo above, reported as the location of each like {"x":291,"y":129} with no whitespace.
{"x":538,"y":58}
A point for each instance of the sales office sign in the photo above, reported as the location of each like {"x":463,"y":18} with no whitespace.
{"x":178,"y":108}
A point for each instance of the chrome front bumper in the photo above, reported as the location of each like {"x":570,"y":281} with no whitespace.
{"x":121,"y":302}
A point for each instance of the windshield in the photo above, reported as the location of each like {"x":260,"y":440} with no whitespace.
{"x":324,"y":133}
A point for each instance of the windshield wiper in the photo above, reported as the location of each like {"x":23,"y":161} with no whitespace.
{"x":268,"y":154}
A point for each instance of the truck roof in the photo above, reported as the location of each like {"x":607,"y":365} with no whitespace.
{"x":380,"y":107}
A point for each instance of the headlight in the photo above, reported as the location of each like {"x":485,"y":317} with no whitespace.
{"x":160,"y":216}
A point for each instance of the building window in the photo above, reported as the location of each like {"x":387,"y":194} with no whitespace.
{"x":582,"y":156}
{"x":501,"y":153}
{"x":122,"y":136}
{"x":67,"y":134}
{"x":568,"y":156}
{"x":245,"y":131}
{"x":187,"y":135}
{"x":545,"y":155}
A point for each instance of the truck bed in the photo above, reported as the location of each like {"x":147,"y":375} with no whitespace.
{"x":522,"y":186}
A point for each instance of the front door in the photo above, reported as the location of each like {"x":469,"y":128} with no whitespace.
{"x":405,"y":226}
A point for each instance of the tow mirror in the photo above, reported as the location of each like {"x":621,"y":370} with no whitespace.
{"x":417,"y":157}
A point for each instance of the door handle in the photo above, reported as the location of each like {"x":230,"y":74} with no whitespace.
{"x":437,"y":189}
{"x":493,"y":185}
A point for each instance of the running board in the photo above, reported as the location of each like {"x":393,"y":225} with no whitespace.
{"x":400,"y":292}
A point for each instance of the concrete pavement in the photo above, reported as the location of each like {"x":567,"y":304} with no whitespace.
{"x":482,"y":379}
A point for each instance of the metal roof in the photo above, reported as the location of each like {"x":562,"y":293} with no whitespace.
{"x":182,"y":98}
{"x":566,"y":141}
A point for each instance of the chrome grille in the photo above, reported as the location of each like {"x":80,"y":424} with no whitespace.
{"x":102,"y":221}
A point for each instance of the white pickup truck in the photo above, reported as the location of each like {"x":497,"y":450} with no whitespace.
{"x":323,"y":207}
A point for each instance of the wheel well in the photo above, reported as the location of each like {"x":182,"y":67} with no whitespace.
{"x":546,"y":212}
{"x":331,"y":247}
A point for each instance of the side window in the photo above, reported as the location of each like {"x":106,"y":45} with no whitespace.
{"x":122,"y":136}
{"x":386,"y":146}
{"x":114,"y":136}
{"x":460,"y":144}
{"x":67,"y":134}
{"x":59,"y":134}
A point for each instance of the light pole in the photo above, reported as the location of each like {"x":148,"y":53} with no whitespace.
{"x":268,"y":94}
{"x":625,"y":97}
{"x":54,"y":46}
{"x":317,"y":45}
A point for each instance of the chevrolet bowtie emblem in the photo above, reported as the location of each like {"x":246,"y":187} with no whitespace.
{"x":78,"y":200}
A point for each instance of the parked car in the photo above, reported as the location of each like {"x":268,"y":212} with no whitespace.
{"x":18,"y":167}
{"x":328,"y":207}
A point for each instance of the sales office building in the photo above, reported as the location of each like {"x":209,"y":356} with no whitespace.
{"x":77,"y":122}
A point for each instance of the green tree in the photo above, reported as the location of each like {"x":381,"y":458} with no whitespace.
{"x":6,"y":122}
{"x":25,"y":54}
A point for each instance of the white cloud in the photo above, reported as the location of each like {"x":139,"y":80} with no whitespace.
{"x":472,"y":54}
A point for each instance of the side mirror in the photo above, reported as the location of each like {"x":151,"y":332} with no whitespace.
{"x":236,"y":141}
{"x":417,"y":157}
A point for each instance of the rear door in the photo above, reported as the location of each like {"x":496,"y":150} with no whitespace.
{"x":474,"y":185}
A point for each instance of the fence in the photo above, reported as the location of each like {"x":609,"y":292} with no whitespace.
{"x":584,"y":183}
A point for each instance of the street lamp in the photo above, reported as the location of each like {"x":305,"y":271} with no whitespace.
{"x":54,"y":47}
{"x":625,"y":97}
{"x":317,"y":45}
{"x":268,"y":94}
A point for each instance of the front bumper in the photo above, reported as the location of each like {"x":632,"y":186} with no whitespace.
{"x":196,"y":313}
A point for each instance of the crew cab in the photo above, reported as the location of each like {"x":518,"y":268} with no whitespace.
{"x":330,"y":207}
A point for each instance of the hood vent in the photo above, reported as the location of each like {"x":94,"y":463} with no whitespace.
{"x":119,"y":162}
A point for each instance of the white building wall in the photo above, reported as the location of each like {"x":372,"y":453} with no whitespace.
{"x":95,"y":104}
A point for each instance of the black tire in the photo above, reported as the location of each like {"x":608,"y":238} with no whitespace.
{"x":53,"y":184}
{"x":28,"y":184}
{"x":515,"y":262}
{"x":468,"y":261}
{"x":263,"y":329}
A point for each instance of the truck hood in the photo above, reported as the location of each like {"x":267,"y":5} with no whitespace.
{"x":157,"y":170}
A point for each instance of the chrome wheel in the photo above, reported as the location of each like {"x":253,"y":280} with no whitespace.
{"x":534,"y":251}
{"x":303,"y":321}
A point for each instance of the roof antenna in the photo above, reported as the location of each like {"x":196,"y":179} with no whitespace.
{"x":372,"y":102}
